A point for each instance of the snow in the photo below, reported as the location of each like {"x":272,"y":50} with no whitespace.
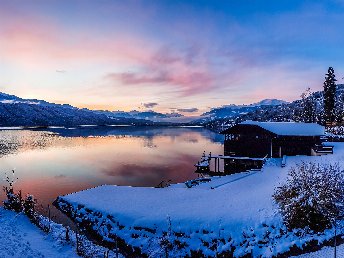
{"x":230,"y":206}
{"x":325,"y":252}
{"x":20,"y":238}
{"x":290,"y":128}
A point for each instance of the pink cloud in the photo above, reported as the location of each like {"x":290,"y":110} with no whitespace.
{"x":186,"y":82}
{"x":39,"y":40}
{"x":188,"y":62}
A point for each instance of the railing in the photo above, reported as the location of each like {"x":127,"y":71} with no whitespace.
{"x":321,"y":149}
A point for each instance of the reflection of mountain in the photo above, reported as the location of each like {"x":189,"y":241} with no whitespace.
{"x":138,"y":131}
{"x":149,"y":143}
{"x":14,"y":141}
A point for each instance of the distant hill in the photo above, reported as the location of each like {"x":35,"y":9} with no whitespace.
{"x":278,"y":111}
{"x":147,"y":115}
{"x":270,"y":102}
{"x":15,"y":111}
{"x":230,"y":112}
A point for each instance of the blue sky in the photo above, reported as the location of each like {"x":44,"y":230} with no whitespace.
{"x":188,"y":55}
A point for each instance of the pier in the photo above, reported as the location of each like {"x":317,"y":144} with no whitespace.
{"x":217,"y":165}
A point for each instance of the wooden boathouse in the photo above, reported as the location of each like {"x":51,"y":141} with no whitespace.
{"x":247,"y":145}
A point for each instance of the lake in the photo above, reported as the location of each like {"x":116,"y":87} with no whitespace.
{"x":57,"y":161}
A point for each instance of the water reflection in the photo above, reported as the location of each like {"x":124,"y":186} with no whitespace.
{"x":59,"y":161}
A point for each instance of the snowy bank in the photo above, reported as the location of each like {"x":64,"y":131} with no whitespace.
{"x":232,"y":214}
{"x":327,"y":251}
{"x":20,"y":238}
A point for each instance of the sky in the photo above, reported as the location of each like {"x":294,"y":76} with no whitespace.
{"x":168,"y":56}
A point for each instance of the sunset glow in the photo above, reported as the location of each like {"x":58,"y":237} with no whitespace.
{"x":186,"y":55}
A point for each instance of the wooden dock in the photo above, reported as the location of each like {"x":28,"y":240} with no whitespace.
{"x":218,"y":165}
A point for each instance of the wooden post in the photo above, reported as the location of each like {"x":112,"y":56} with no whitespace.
{"x":116,"y":247}
{"x":335,"y":237}
{"x":49,"y":216}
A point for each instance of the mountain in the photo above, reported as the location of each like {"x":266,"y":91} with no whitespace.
{"x":270,"y":102}
{"x":12,"y":99}
{"x":15,"y":111}
{"x":148,"y":115}
{"x":233,"y":111}
{"x":282,"y":111}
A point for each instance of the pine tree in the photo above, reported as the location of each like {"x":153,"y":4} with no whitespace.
{"x":308,"y":106}
{"x":329,"y":95}
{"x":339,"y":107}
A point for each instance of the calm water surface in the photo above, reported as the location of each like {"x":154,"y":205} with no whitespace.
{"x":55,"y":162}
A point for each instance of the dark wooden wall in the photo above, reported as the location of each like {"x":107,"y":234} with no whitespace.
{"x":248,"y":141}
{"x":256,"y":142}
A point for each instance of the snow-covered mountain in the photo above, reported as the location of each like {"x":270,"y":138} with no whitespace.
{"x":224,"y":117}
{"x":15,"y":111}
{"x":149,"y":114}
{"x":233,"y":111}
{"x":269,"y":102}
{"x":12,"y":99}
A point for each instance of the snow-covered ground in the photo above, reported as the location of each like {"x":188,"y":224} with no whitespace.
{"x":237,"y":208}
{"x":20,"y":238}
{"x":325,"y":252}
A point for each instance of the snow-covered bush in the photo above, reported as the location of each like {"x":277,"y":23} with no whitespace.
{"x":335,"y":130}
{"x":29,"y":207}
{"x":14,"y":200}
{"x":312,"y":196}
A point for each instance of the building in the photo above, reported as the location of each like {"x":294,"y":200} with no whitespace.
{"x":272,"y":139}
{"x":247,"y":145}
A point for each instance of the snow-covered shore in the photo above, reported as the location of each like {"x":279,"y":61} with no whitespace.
{"x":234,"y":214}
{"x":325,"y":252}
{"x":20,"y":238}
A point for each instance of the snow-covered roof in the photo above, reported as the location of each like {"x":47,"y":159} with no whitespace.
{"x":290,"y":128}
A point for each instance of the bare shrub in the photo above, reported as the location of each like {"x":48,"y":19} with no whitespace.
{"x":312,"y":196}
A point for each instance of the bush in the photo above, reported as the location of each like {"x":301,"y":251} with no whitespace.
{"x":312,"y":196}
{"x":29,"y":207}
{"x":14,"y":200}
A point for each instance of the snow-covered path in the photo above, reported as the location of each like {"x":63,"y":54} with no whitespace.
{"x":325,"y":252}
{"x":19,"y":238}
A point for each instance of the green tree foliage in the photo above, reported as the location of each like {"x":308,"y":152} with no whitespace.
{"x":311,"y":196}
{"x":329,"y":96}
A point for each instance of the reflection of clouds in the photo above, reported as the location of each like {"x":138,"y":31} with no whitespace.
{"x":178,"y":169}
{"x":149,"y":143}
{"x":60,"y":176}
{"x":50,"y":164}
{"x":192,"y":140}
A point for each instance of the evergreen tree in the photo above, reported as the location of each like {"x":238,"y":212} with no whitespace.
{"x":308,"y":107}
{"x":329,"y":95}
{"x":339,"y":106}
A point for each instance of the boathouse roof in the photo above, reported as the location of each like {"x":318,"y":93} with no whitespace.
{"x":286,"y":128}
